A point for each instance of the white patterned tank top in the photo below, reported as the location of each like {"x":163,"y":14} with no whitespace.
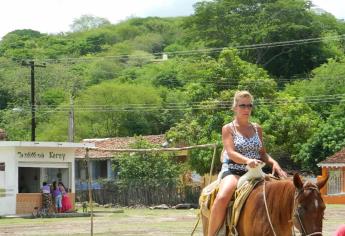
{"x":248,"y":147}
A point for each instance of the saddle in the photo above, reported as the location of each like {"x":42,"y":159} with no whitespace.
{"x":209,"y":194}
{"x":240,"y":197}
{"x":207,"y":197}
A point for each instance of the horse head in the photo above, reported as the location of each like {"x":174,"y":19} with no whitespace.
{"x":309,"y":207}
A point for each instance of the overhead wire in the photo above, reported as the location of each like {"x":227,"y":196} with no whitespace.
{"x":200,"y":51}
{"x":204,"y":105}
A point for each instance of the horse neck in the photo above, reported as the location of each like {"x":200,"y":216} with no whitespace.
{"x":284,"y":193}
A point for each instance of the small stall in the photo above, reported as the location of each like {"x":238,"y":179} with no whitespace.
{"x":24,"y":166}
{"x":334,"y":167}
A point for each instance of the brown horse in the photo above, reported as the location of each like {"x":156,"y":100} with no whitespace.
{"x":275,"y":206}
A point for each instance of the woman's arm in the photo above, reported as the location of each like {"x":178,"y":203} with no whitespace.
{"x":268,"y":159}
{"x":229,"y":147}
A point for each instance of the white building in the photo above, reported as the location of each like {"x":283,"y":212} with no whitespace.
{"x":25,"y":165}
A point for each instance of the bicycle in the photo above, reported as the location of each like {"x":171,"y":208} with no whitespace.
{"x":46,"y":210}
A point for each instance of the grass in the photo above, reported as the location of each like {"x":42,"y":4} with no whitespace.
{"x":142,"y":221}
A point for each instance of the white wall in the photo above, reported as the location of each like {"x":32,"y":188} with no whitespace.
{"x":15,"y":155}
{"x":49,"y":158}
{"x":10,"y":181}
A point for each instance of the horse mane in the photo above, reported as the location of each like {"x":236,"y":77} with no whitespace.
{"x":279,"y":194}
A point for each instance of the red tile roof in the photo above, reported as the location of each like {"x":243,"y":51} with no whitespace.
{"x":114,"y":143}
{"x":337,"y":158}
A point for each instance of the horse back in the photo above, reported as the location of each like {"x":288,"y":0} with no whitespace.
{"x":254,"y":219}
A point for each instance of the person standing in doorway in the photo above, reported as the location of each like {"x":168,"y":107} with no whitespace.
{"x":66,"y":202}
{"x":57,"y":197}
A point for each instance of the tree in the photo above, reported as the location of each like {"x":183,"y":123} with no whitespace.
{"x":289,"y":125}
{"x":16,"y":122}
{"x":229,"y":23}
{"x":324,"y":88}
{"x":109,"y":109}
{"x":20,"y":44}
{"x":154,"y":168}
{"x":87,"y":22}
{"x":326,"y":141}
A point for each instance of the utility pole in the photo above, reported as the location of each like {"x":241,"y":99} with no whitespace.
{"x":71,"y":121}
{"x":33,"y":103}
{"x":71,"y":129}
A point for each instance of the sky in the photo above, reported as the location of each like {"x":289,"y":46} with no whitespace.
{"x":55,"y":16}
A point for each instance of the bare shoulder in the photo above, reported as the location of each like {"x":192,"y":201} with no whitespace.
{"x":226,"y":128}
{"x":257,"y":126}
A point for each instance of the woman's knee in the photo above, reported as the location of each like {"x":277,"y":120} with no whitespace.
{"x":226,"y":190}
{"x":222,"y":200}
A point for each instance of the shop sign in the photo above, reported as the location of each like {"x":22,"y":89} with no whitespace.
{"x":42,"y":156}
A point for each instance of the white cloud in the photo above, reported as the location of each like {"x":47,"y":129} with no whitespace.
{"x":335,"y":7}
{"x":54,"y":16}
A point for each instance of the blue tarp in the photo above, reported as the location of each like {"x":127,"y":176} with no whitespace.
{"x":83,"y":186}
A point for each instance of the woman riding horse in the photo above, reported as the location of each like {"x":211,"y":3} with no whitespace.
{"x":243,"y":145}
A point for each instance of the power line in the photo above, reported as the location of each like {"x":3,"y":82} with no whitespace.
{"x":206,"y":50}
{"x":205,"y":105}
{"x":219,"y":81}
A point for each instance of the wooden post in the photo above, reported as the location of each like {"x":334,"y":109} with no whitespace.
{"x":89,"y":186}
{"x":212,"y":163}
{"x":141,"y":150}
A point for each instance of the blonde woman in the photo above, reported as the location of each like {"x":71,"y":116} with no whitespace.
{"x":243,"y":145}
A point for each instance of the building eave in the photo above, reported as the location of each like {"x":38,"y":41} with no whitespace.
{"x":331,"y":165}
{"x":45,"y":144}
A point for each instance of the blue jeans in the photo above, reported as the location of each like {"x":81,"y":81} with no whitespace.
{"x":58,"y":201}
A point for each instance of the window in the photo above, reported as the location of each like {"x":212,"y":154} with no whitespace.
{"x":99,"y":169}
{"x":335,"y":182}
{"x":2,"y":166}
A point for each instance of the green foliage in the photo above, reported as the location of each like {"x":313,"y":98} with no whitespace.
{"x":222,"y":23}
{"x":150,"y":168}
{"x":4,"y":98}
{"x":109,"y":109}
{"x":102,"y":70}
{"x":168,"y":79}
{"x":327,"y":140}
{"x":16,"y":123}
{"x":87,"y":22}
{"x":289,"y":125}
{"x":323,"y":89}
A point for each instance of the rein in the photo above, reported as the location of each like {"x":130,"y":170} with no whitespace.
{"x":295,"y":211}
{"x":268,"y":214}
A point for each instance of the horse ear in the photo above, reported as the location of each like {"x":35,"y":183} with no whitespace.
{"x":297,"y":181}
{"x":320,"y":183}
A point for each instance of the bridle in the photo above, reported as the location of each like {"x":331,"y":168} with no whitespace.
{"x":295,"y":213}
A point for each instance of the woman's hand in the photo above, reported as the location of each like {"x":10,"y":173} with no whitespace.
{"x":252,"y":163}
{"x":276,"y":169}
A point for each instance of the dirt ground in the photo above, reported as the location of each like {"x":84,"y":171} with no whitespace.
{"x":134,"y":222}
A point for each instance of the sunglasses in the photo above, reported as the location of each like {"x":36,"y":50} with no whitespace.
{"x":243,"y":106}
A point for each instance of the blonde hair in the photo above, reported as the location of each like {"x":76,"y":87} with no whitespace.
{"x":239,"y":95}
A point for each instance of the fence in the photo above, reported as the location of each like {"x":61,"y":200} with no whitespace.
{"x":147,"y":194}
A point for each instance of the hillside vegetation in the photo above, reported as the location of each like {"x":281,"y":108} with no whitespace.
{"x":177,"y":76}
